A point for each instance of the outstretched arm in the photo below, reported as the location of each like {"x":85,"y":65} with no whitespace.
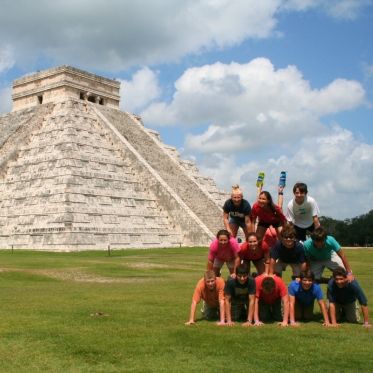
{"x":192,"y":313}
{"x":324,"y":312}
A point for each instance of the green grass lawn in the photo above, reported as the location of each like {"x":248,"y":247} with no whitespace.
{"x":90,"y":312}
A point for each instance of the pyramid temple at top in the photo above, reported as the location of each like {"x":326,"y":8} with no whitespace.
{"x":76,"y":173}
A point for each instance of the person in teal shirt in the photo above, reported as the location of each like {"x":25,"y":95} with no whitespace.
{"x":323,"y":251}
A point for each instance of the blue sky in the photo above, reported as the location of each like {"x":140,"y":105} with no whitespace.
{"x":237,"y":86}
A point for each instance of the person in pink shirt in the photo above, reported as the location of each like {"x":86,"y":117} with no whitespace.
{"x":223,"y":249}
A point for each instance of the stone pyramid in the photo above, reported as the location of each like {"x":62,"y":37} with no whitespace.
{"x":76,"y":173}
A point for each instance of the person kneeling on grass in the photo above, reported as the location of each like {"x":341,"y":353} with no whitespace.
{"x":239,"y":297}
{"x":302,"y":295}
{"x":271,"y":292}
{"x":342,"y":295}
{"x":211,"y":289}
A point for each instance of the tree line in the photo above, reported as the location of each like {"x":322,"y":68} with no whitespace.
{"x":356,"y":231}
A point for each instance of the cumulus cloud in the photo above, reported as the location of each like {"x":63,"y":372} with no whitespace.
{"x":337,"y":168}
{"x":140,"y":91}
{"x":250,"y":106}
{"x":95,"y":35}
{"x":6,"y":58}
{"x":113,"y":37}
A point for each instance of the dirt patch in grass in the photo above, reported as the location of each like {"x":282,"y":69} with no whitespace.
{"x":77,"y":276}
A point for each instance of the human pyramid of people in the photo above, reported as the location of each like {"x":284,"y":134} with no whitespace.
{"x":273,"y":241}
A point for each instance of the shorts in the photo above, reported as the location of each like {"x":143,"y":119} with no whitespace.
{"x":301,"y":233}
{"x":280,"y":266}
{"x":303,"y":312}
{"x":219,"y":264}
{"x":318,"y":266}
{"x":269,"y":312}
{"x":210,"y":313}
{"x":237,"y":221}
{"x":349,"y":311}
{"x":267,"y":225}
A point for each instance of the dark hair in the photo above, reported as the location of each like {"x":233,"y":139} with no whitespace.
{"x":252,"y":234}
{"x":301,"y":186}
{"x":270,"y":201}
{"x":223,"y":232}
{"x":288,"y":231}
{"x":307,"y":274}
{"x":268,"y":284}
{"x":242,"y":269}
{"x":339,"y":272}
{"x":319,"y":234}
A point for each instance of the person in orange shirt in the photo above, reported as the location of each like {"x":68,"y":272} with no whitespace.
{"x":211,"y":290}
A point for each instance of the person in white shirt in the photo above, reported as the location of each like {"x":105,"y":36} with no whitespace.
{"x":302,"y":211}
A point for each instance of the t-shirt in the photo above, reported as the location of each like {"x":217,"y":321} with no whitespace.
{"x":313,"y":253}
{"x":238,"y":212}
{"x":278,"y":292}
{"x":305,"y":297}
{"x":302,"y":215}
{"x":225,"y":253}
{"x":347,"y":294}
{"x":247,"y":253}
{"x":293,"y":255}
{"x":267,"y":216}
{"x":239,"y":292}
{"x":211,"y":297}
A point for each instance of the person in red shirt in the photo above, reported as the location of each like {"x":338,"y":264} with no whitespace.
{"x":252,"y":251}
{"x":271,"y":292}
{"x":267,"y":214}
{"x":211,"y":290}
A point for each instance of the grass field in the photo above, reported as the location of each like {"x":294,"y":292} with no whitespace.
{"x":90,"y":312}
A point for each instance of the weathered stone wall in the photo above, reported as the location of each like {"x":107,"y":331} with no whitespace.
{"x":195,"y":197}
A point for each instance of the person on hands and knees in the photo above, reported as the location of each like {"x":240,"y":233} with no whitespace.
{"x":302,"y":295}
{"x":342,"y":295}
{"x":223,"y":249}
{"x":239,"y":297}
{"x":287,"y":252}
{"x":323,"y":251}
{"x":271,"y":294}
{"x":211,"y":290}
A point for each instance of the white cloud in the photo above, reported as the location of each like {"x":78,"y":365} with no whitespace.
{"x":140,"y":91}
{"x":337,"y":168}
{"x":250,"y":106}
{"x":6,"y":58}
{"x":95,"y":35}
{"x":123,"y":33}
{"x":5,"y":100}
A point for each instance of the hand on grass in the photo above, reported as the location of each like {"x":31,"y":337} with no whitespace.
{"x":258,"y":323}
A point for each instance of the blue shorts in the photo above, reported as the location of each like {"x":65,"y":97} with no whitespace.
{"x":237,"y":221}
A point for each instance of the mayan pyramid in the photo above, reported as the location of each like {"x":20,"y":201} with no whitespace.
{"x":76,"y":173}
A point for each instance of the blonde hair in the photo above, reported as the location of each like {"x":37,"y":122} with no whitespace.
{"x":236,"y":189}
